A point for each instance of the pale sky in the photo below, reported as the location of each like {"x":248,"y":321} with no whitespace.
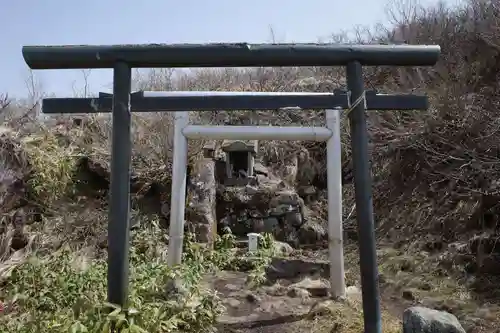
{"x":53,"y":22}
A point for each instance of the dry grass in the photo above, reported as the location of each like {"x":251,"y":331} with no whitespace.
{"x":342,"y":317}
{"x":348,"y":318}
{"x":418,"y":277}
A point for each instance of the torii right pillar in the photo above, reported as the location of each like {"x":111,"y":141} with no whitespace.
{"x":363,"y":189}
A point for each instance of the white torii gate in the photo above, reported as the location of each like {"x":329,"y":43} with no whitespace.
{"x":330,"y":133}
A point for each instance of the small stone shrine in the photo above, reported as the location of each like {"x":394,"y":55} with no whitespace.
{"x":240,"y":160}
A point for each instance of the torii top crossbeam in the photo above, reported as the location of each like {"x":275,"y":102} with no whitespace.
{"x":227,"y":55}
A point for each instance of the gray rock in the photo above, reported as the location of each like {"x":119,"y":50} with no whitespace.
{"x":322,"y":308}
{"x":306,"y":190}
{"x":260,"y":169}
{"x":257,"y":225}
{"x":226,"y":222}
{"x":271,"y":225}
{"x":251,"y":190}
{"x":281,"y":209}
{"x":283,"y":268}
{"x":424,"y":320}
{"x":276,"y":290}
{"x":307,"y":193}
{"x":353,"y":292}
{"x":175,"y":289}
{"x":291,"y":235}
{"x":286,"y":197}
{"x":408,"y":294}
{"x":283,"y":248}
{"x":298,"y":293}
{"x":293,"y":219}
{"x":311,"y":233}
{"x":316,"y":288}
{"x":253,"y":298}
{"x":233,"y":302}
{"x":232,"y":287}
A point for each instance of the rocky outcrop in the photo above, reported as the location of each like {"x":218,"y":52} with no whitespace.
{"x":200,"y":208}
{"x":244,"y":209}
{"x":312,"y":232}
{"x":269,"y":207}
{"x":266,"y":204}
{"x":14,"y":174}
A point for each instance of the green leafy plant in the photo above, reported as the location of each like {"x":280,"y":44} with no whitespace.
{"x":261,"y":260}
{"x":52,"y":166}
{"x":54,"y":294}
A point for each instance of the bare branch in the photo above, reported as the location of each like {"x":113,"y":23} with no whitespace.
{"x":4,"y":102}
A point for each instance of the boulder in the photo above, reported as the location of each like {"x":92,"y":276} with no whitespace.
{"x":424,"y":320}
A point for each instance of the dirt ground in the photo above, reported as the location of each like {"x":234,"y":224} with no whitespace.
{"x":295,"y":297}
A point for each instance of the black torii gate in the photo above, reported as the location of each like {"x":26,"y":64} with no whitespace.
{"x":121,"y":58}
